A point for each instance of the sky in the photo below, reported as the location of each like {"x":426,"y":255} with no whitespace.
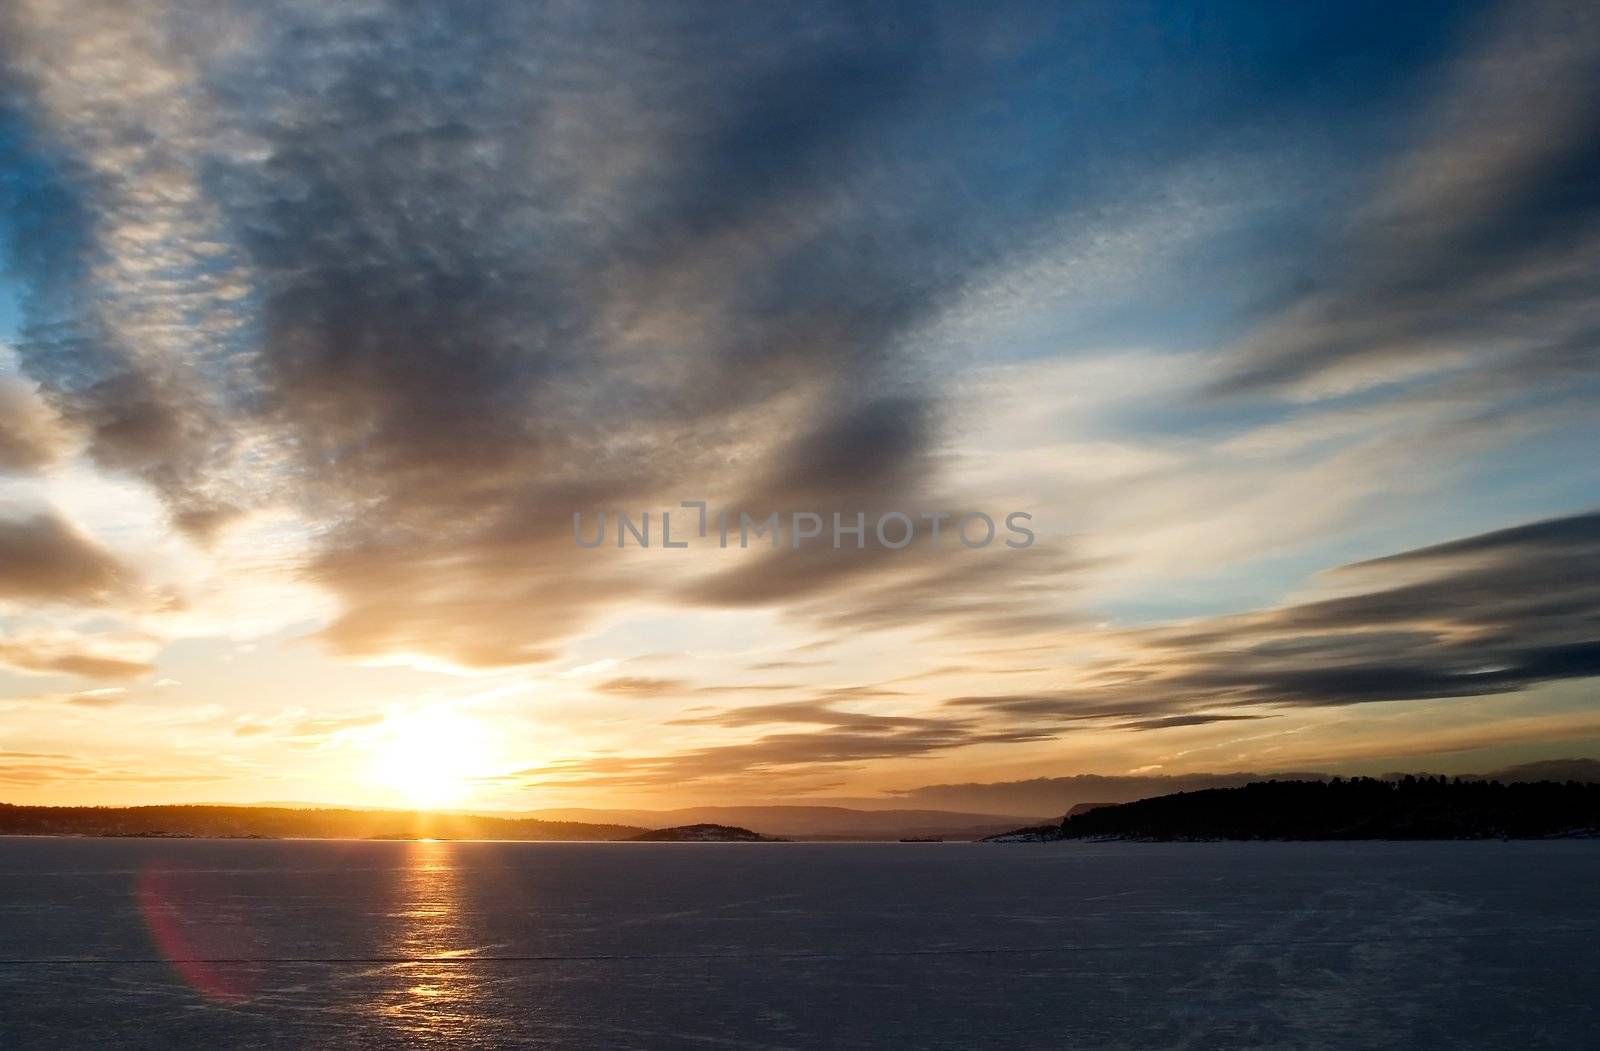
{"x":321,"y":321}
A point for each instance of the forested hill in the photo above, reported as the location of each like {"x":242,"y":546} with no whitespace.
{"x":287,"y":823}
{"x":1359,"y":808}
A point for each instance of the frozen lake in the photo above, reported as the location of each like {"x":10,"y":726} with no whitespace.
{"x":110,"y":943}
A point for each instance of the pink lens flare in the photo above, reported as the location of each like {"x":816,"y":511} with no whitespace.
{"x":204,"y":945}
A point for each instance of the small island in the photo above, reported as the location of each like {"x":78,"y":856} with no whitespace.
{"x":704,"y":834}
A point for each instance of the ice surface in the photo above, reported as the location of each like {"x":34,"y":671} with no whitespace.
{"x":1218,"y":945}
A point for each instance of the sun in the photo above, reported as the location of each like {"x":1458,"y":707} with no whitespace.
{"x":431,"y":756}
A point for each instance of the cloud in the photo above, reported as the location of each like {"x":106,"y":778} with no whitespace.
{"x":1167,"y":722}
{"x":819,"y":712}
{"x":1492,"y":209}
{"x":325,"y":726}
{"x":29,"y":774}
{"x":30,"y":435}
{"x":438,"y":279}
{"x":47,"y":654}
{"x":43,"y":558}
{"x":294,"y":724}
{"x":449,"y":313}
{"x":769,"y":759}
{"x":101,"y":698}
{"x":839,"y":739}
{"x":640,"y":686}
{"x":1491,"y":614}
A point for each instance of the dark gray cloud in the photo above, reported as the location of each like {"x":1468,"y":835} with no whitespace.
{"x":1490,"y":614}
{"x":1475,"y":244}
{"x":1167,"y":722}
{"x":817,"y":712}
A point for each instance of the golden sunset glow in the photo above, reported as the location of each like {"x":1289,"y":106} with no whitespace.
{"x":428,"y":758}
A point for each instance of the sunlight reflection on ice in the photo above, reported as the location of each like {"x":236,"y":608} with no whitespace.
{"x":432,"y":999}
